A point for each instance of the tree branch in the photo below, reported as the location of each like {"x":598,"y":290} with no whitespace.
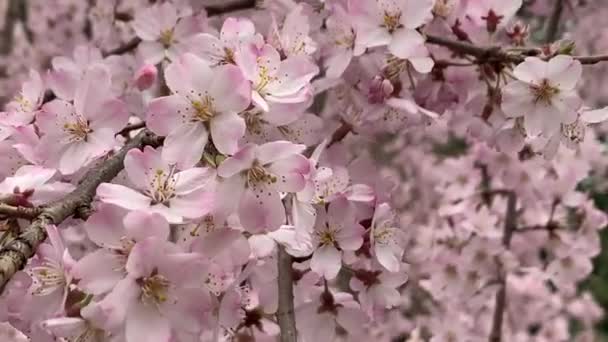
{"x":16,"y":11}
{"x":553,"y":22}
{"x":501,"y":295}
{"x":497,"y":54}
{"x":19,"y":211}
{"x":230,"y":7}
{"x":285,"y":313}
{"x":14,"y":256}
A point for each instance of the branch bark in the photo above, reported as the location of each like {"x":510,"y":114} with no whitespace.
{"x":552,"y":27}
{"x":497,"y":54}
{"x":14,"y":256}
{"x":501,"y":295}
{"x":16,"y":11}
{"x":19,"y":211}
{"x":286,"y":313}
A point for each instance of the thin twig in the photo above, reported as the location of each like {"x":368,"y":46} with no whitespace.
{"x":497,"y":54}
{"x":7,"y":210}
{"x":16,"y":11}
{"x":125,"y":48}
{"x":501,"y":295}
{"x":230,"y":7}
{"x":552,"y":27}
{"x":130,"y":128}
{"x":15,"y":255}
{"x":285,"y":312}
{"x":340,"y":133}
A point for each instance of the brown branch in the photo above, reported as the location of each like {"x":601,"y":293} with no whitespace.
{"x":340,"y":133}
{"x":552,"y":27}
{"x":230,"y":7}
{"x":125,"y":48}
{"x":130,"y":128}
{"x":15,"y":255}
{"x":8,"y":210}
{"x":16,"y":11}
{"x":285,"y":312}
{"x":497,"y":54}
{"x":501,"y":295}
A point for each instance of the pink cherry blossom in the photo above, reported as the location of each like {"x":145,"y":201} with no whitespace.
{"x":217,"y":51}
{"x":77,"y":134}
{"x":544,"y":93}
{"x":176,"y":195}
{"x":256,"y":175}
{"x":275,"y":80}
{"x":336,"y":231}
{"x":205,"y":101}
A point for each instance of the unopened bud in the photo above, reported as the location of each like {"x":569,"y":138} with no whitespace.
{"x":145,"y":77}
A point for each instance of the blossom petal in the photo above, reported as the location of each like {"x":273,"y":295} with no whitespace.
{"x":122,"y":196}
{"x":185,"y":145}
{"x":326,"y":261}
{"x":226,"y":131}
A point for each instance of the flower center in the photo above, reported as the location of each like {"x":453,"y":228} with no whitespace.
{"x":204,"y":110}
{"x":78,"y":130}
{"x":162,"y":186}
{"x":166,"y":38}
{"x":265,"y":77}
{"x":155,"y":289}
{"x":384,"y":235}
{"x":327,"y":236}
{"x":257,"y":174}
{"x":391,"y":21}
{"x":24,"y":104}
{"x":228,"y":56}
{"x":544,"y":92}
{"x":574,"y":132}
{"x":49,"y":276}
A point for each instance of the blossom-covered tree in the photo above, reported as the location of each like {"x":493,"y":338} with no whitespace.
{"x":315,"y":170}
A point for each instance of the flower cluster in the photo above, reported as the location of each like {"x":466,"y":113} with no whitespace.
{"x":414,"y":180}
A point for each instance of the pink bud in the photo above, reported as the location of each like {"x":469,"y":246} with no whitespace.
{"x":145,"y":76}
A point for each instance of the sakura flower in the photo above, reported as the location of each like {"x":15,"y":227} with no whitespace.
{"x":160,"y":188}
{"x":319,"y":319}
{"x":336,"y":231}
{"x":544,"y":94}
{"x":293,"y":38}
{"x":144,"y":77}
{"x":378,"y":288}
{"x":274,"y":80}
{"x":116,"y":232}
{"x":205,"y":100}
{"x":342,"y":33}
{"x":32,"y":185}
{"x":68,"y":72}
{"x":493,"y":13}
{"x":386,"y":239}
{"x":163,"y":32}
{"x":77,"y":134}
{"x":392,"y":23}
{"x":217,"y":51}
{"x":572,"y":134}
{"x":50,"y":272}
{"x":153,"y":297}
{"x":82,"y":329}
{"x":255,"y":175}
{"x":23,"y":107}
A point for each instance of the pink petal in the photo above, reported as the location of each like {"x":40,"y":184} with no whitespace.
{"x":261,"y":210}
{"x":141,"y":225}
{"x":277,"y":150}
{"x":192,"y":179}
{"x":405,"y":42}
{"x":231,"y":87}
{"x":184,"y":146}
{"x":165,"y":114}
{"x":98,"y":272}
{"x":226,"y":130}
{"x":105,"y":226}
{"x":326,"y":261}
{"x":242,"y":160}
{"x":564,"y":72}
{"x":532,"y":70}
{"x":122,"y":196}
{"x":146,"y":323}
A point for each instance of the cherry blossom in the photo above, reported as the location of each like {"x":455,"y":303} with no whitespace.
{"x":176,"y":195}
{"x":544,"y":94}
{"x":204,"y":102}
{"x":77,"y":134}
